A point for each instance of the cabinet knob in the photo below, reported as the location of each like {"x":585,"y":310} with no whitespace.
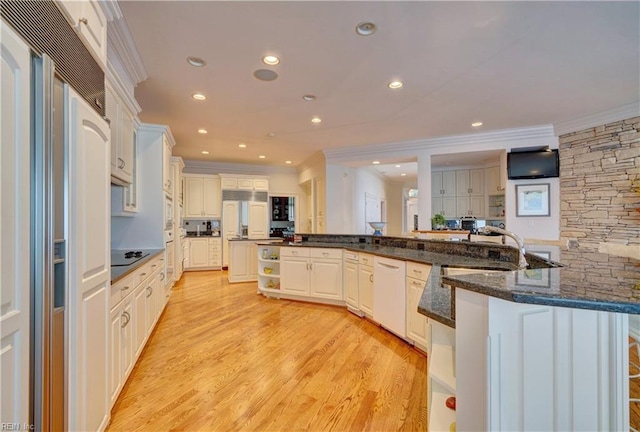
{"x":83,"y":21}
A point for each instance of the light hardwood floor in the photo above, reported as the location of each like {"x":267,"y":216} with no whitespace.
{"x":223,"y":358}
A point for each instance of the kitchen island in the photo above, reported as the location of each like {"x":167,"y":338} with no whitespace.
{"x":544,"y":348}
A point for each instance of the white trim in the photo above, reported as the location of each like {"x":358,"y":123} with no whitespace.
{"x":411,"y":147}
{"x":592,"y":120}
{"x":160,"y":129}
{"x":121,"y":48}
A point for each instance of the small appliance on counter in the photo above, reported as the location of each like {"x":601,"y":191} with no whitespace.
{"x":470,"y":223}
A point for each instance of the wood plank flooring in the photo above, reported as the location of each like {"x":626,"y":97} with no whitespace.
{"x":223,"y":358}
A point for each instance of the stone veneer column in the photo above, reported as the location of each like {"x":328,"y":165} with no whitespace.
{"x":597,"y":203}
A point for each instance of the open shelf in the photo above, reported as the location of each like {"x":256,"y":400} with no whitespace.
{"x":269,"y":282}
{"x":440,"y":417}
{"x":441,"y":366}
{"x":269,"y":275}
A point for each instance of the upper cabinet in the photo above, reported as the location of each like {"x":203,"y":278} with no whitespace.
{"x":443,"y":183}
{"x":244,"y":183}
{"x":470,"y":182}
{"x":167,"y":174}
{"x":89,"y":21}
{"x":122,"y":137}
{"x":495,"y":186}
{"x":202,"y":195}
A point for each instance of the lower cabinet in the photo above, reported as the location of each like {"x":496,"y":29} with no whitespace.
{"x":417,"y":329}
{"x":203,"y":253}
{"x":243,"y":261}
{"x":350,"y":274}
{"x":365,"y":284}
{"x":311,"y":272}
{"x":389,"y":294}
{"x":136,"y":304}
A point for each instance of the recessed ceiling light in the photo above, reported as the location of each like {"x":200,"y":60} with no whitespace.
{"x":403,"y":174}
{"x":242,"y":145}
{"x":476,"y":124}
{"x":366,"y":28}
{"x":265,"y":75}
{"x":309,"y":97}
{"x":271,"y":134}
{"x":196,"y":61}
{"x":198,"y":96}
{"x":397,"y":166}
{"x":202,"y":131}
{"x":395,"y":84}
{"x":287,"y":162}
{"x":316,"y":120}
{"x":270,"y":60}
{"x":205,"y":152}
{"x":262,"y":157}
{"x":376,"y":162}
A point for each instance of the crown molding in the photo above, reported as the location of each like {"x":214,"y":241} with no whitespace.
{"x":122,"y":50}
{"x":610,"y":116}
{"x":412,"y":147}
{"x":315,"y":159}
{"x":111,"y":9}
{"x":234,"y":170}
{"x":158,"y":129}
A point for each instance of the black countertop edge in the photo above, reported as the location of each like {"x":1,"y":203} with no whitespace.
{"x":202,"y":234}
{"x":119,"y":272}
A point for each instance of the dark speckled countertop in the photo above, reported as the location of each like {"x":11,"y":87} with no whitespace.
{"x":586,"y":280}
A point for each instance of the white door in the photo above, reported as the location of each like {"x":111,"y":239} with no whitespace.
{"x":416,"y":322}
{"x":258,"y":220}
{"x":372,"y":212}
{"x":198,"y":252}
{"x":14,"y":229}
{"x":89,"y":266}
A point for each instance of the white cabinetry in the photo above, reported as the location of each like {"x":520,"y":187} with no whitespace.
{"x":243,"y":261}
{"x":268,"y":268}
{"x":470,"y":206}
{"x":538,"y":367}
{"x":15,"y":158}
{"x":204,"y":253}
{"x":443,"y":183}
{"x":167,"y":180}
{"x":350,"y":274}
{"x":312,"y":272}
{"x":258,"y":220}
{"x":446,"y":206}
{"x":365,"y":284}
{"x":243,"y":183}
{"x":417,"y":330}
{"x":494,"y":181}
{"x":89,"y":21}
{"x":122,"y":137}
{"x":389,"y":293}
{"x":230,"y":226}
{"x":89,"y":270}
{"x":441,"y":379}
{"x":203,"y":199}
{"x":470,"y":182}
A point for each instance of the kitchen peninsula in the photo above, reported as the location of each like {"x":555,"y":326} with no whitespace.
{"x":543,"y":348}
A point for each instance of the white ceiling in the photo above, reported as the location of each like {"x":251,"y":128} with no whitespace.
{"x":507,"y":64}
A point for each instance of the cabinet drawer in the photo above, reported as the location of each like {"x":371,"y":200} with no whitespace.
{"x":418,"y":271}
{"x":120,"y":289}
{"x":416,"y":283}
{"x":229,"y":183}
{"x":294,"y":252}
{"x":245,"y":184}
{"x":366,"y":259}
{"x":326,"y":253}
{"x":261,"y":185}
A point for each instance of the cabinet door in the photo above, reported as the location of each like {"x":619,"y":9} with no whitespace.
{"x":321,"y":194}
{"x":326,"y":279}
{"x":126,"y":145}
{"x":258,"y":219}
{"x":351,"y":284}
{"x":195,"y":193}
{"x":295,"y":276}
{"x":140,"y":319}
{"x":463,"y":186}
{"x":252,"y":260}
{"x":449,"y":183}
{"x":260,"y":184}
{"x":476,"y":182}
{"x":15,"y":250}
{"x":246,"y":184}
{"x":446,"y":206}
{"x":238,"y":264}
{"x":115,"y":367}
{"x":365,"y":289}
{"x":198,"y":252}
{"x":229,"y":183}
{"x":212,"y":199}
{"x":127,"y":339}
{"x":92,"y":25}
{"x":89,"y":274}
{"x":436,"y":184}
{"x":476,"y":206}
{"x":112,"y":111}
{"x":463,"y":206}
{"x":166,"y":166}
{"x":492,"y":176}
{"x":416,"y":322}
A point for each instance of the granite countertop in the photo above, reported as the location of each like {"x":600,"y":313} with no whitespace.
{"x":203,"y":234}
{"x":587,"y":280}
{"x":119,"y":272}
{"x":239,"y":239}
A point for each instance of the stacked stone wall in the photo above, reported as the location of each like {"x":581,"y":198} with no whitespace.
{"x":598,"y":167}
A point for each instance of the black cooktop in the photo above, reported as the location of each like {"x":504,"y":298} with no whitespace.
{"x":125,"y":258}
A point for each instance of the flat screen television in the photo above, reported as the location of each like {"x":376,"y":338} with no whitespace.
{"x":533,"y":164}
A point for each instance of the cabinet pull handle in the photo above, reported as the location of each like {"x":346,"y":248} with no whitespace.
{"x":389,"y":266}
{"x":417,"y":271}
{"x":325,"y":254}
{"x":310,"y":266}
{"x":83,"y":21}
{"x":143,"y":274}
{"x":124,"y":288}
{"x":371,"y":278}
{"x":149,"y":291}
{"x":126,"y":317}
{"x":162,"y":274}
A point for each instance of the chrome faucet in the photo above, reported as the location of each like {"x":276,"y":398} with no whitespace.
{"x":522,"y":262}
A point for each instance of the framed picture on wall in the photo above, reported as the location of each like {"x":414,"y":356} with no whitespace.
{"x":532,"y":200}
